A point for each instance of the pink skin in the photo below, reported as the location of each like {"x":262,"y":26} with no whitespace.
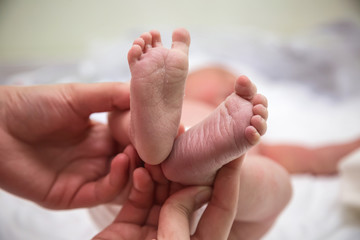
{"x":52,"y":153}
{"x":160,"y":209}
{"x":224,"y":136}
{"x":303,"y":159}
{"x":204,"y":148}
{"x":211,"y":85}
{"x":157,"y":88}
{"x":157,"y":91}
{"x":231,"y":129}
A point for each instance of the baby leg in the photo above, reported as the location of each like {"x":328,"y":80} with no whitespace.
{"x":234,"y":127}
{"x":302,"y":159}
{"x":265,"y":190}
{"x":158,"y":79}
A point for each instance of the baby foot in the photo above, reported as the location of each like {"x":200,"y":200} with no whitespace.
{"x":234,"y":127}
{"x":158,"y":79}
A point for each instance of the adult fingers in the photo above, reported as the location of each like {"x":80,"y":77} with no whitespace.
{"x":107,"y":188}
{"x":140,"y":201}
{"x":162,"y":184}
{"x":221,"y":209}
{"x":97,"y":97}
{"x":174,"y":220}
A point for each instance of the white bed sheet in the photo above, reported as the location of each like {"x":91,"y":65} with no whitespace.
{"x":308,"y":105}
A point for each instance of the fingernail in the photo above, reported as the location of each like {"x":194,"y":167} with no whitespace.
{"x":203,"y":196}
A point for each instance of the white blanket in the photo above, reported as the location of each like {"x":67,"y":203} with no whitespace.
{"x":350,"y":180}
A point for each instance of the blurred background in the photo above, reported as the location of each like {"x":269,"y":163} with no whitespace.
{"x":40,"y":31}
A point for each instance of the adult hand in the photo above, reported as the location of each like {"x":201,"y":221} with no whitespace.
{"x":149,"y":215}
{"x":52,"y":153}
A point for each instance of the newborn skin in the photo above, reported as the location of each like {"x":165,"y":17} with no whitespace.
{"x":157,"y":87}
{"x":233,"y":128}
{"x":156,"y":101}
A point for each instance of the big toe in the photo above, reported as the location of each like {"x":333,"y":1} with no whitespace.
{"x":245,"y":88}
{"x":181,"y":39}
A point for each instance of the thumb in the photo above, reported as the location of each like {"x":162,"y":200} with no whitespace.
{"x":98,"y":97}
{"x":174,"y":220}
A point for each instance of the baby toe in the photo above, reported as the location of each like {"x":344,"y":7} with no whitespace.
{"x":181,"y":40}
{"x":156,"y":38}
{"x":259,"y":123}
{"x":252,"y":135}
{"x":147,"y":37}
{"x":140,"y":42}
{"x":260,"y":99}
{"x":261,"y":110}
{"x":245,"y":88}
{"x":134,"y":54}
